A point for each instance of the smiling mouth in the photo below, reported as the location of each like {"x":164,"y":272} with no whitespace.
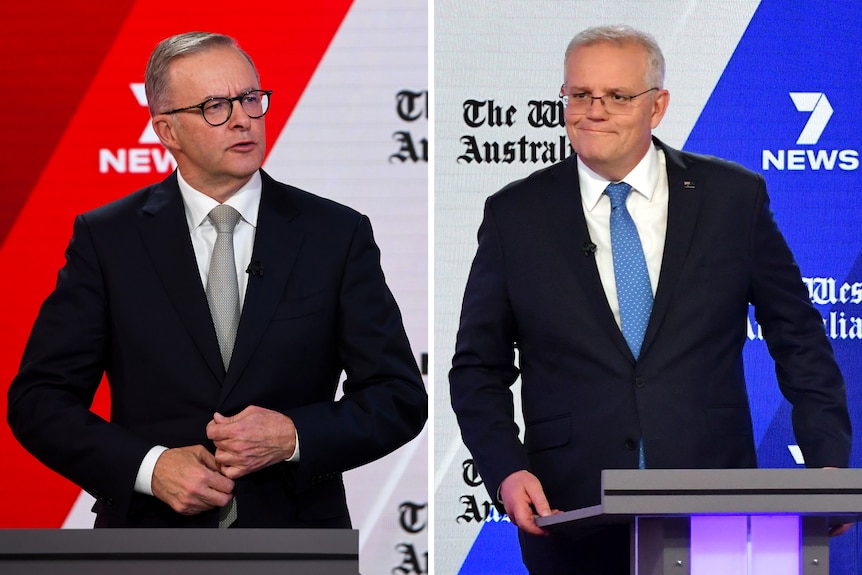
{"x":592,"y":131}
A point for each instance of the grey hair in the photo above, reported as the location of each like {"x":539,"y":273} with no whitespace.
{"x":168,"y":50}
{"x":621,"y":35}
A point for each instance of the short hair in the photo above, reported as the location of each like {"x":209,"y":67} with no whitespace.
{"x":170,"y":49}
{"x":620,"y":35}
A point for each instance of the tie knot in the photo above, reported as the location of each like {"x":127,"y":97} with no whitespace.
{"x":224,"y":218}
{"x":618,"y":192}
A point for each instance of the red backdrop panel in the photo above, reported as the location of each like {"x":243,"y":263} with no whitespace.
{"x":78,"y":144}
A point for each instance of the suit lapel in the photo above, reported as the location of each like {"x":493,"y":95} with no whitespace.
{"x":684,"y":200}
{"x":165,"y":235}
{"x":566,"y":212}
{"x":277,"y":241}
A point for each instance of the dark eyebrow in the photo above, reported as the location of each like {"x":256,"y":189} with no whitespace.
{"x":244,"y":91}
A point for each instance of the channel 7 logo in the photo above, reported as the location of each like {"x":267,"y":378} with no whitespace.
{"x":821,"y":111}
{"x":148,"y":156}
{"x":811,"y":159}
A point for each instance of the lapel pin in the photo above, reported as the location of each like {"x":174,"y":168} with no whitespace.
{"x":688,"y":185}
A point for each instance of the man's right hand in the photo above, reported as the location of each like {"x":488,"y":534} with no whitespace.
{"x":188,"y":479}
{"x":523,"y":498}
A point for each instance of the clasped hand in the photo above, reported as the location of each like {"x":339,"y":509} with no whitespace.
{"x":192,"y":480}
{"x":252,"y":439}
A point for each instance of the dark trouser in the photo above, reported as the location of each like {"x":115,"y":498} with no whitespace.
{"x":604,"y":552}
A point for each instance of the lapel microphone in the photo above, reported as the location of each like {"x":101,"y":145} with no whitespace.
{"x":255,"y":269}
{"x":589,"y":248}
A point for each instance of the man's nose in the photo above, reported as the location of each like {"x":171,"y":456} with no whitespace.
{"x":238,"y":116}
{"x":596,"y":108}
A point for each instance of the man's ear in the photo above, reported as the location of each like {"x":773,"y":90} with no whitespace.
{"x":660,"y":103}
{"x":165,"y":129}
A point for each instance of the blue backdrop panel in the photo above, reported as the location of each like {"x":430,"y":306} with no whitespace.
{"x":792,"y":52}
{"x":787,"y":106}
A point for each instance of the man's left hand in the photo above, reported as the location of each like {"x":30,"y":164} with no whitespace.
{"x":252,"y":439}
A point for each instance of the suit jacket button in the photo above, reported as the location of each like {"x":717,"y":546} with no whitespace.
{"x":631,"y":445}
{"x":640,"y":382}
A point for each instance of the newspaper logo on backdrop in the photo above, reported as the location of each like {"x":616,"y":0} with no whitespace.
{"x":413,"y":519}
{"x":411,"y":106}
{"x":477,"y":508}
{"x":841,"y":322}
{"x":138,"y":160}
{"x":811,"y":158}
{"x":495,"y":139}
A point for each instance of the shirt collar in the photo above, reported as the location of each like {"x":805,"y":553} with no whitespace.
{"x":643,"y":179}
{"x":198,"y":205}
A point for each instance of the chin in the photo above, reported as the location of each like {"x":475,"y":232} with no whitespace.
{"x":597,"y":146}
{"x":246,"y":169}
{"x":592,"y":155}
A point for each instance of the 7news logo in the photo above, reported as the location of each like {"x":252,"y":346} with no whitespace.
{"x":811,"y":159}
{"x":143,"y":160}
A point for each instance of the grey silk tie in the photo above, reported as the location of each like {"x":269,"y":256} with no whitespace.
{"x":227,"y":514}
{"x":222,"y":286}
{"x":223,"y":297}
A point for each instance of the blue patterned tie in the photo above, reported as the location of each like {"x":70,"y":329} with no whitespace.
{"x":632,"y":278}
{"x":630,"y":271}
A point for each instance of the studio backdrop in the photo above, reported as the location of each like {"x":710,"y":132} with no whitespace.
{"x":348,"y":121}
{"x":771,"y":84}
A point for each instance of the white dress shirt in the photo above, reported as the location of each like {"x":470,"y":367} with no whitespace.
{"x":203,"y":235}
{"x":647,"y":205}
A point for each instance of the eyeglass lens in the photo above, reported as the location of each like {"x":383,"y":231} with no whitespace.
{"x":612,"y":106}
{"x":218,"y":110}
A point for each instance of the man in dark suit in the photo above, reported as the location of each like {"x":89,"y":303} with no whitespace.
{"x":205,"y":431}
{"x":602,"y":389}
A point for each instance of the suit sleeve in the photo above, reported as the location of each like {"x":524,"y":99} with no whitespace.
{"x":804,"y":362}
{"x":385,"y":404}
{"x":483,"y":368}
{"x":63,"y":364}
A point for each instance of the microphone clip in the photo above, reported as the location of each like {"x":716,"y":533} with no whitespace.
{"x":255,"y":269}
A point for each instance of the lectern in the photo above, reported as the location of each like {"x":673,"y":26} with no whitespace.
{"x":729,"y":521}
{"x":179,"y":551}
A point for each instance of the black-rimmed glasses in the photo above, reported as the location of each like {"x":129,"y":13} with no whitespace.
{"x":217,"y":111}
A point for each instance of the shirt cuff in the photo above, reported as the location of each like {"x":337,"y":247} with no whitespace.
{"x":144,"y":480}
{"x":295,"y":457}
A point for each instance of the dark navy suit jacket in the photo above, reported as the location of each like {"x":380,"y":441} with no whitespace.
{"x":129,"y":303}
{"x":586,"y":402}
